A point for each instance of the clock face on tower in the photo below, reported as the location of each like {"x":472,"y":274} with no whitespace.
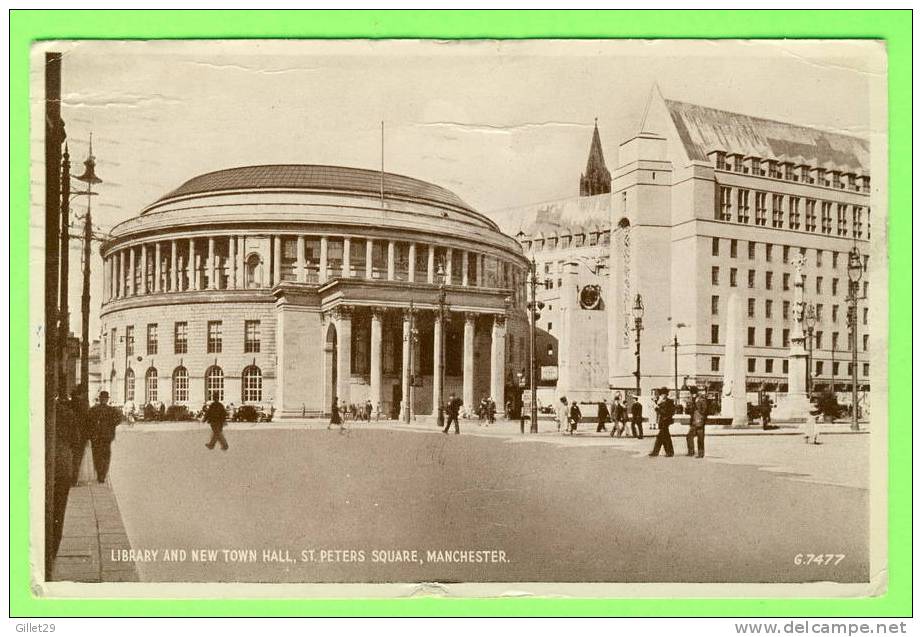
{"x":590,"y":297}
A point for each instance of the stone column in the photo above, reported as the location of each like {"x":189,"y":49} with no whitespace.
{"x":131,"y":286}
{"x":430,"y":266}
{"x":498,"y":362}
{"x":302,"y":269}
{"x":157,"y":270}
{"x":323,"y":259}
{"x":210,"y":265}
{"x":437,"y":364}
{"x":347,"y":267}
{"x":121,"y":274}
{"x":405,"y":365}
{"x":480,"y":259}
{"x":241,"y":263}
{"x":144,"y":289}
{"x":464,"y":265}
{"x":411,"y":263}
{"x":369,"y":266}
{"x":468,"y":367}
{"x":376,"y":319}
{"x":232,"y":263}
{"x":276,"y":260}
{"x":343,"y":318}
{"x":174,"y":274}
{"x":193,"y":278}
{"x":448,"y":272}
{"x":390,"y":260}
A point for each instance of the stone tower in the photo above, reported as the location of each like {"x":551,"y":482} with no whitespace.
{"x":596,"y":180}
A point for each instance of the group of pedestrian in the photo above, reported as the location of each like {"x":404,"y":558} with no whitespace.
{"x":486,"y":411}
{"x":569,"y":415}
{"x":618,"y":415}
{"x":665,"y":415}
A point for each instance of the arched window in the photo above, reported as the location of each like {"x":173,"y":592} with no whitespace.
{"x":129,"y":384}
{"x":150,"y":385}
{"x":180,"y":385}
{"x":253,"y":271}
{"x":214,"y":384}
{"x":252,"y":384}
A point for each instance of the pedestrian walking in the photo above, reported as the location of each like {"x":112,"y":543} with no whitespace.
{"x":602,"y":416}
{"x":335,"y":416}
{"x":618,"y":417}
{"x":368,"y":409}
{"x":575,"y":416}
{"x":103,"y":421}
{"x":637,"y":418}
{"x":765,"y":411}
{"x":453,"y":409}
{"x":563,"y":414}
{"x":665,"y":410}
{"x":811,"y":428}
{"x":696,"y":423}
{"x":216,"y":417}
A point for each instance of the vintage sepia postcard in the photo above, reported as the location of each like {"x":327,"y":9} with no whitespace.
{"x":483,"y":318}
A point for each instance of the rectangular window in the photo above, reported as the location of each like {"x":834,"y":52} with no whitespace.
{"x":819,"y":258}
{"x":794,"y":213}
{"x":752,"y":249}
{"x":742,"y":206}
{"x":723,"y":208}
{"x":777,"y":211}
{"x":769,"y":365}
{"x":835,"y":369}
{"x":826,"y":220}
{"x":715,"y":363}
{"x":786,"y":281}
{"x":715,"y":275}
{"x":819,"y":312}
{"x":842,"y":220}
{"x":784,"y":366}
{"x":715,"y":305}
{"x":768,"y":280}
{"x":835,"y":260}
{"x":819,"y":285}
{"x":857,"y":222}
{"x":215,"y":337}
{"x":732,"y":277}
{"x":786,"y":254}
{"x":750,"y":336}
{"x":129,"y":340}
{"x":819,"y":339}
{"x":835,"y":286}
{"x":113,"y":336}
{"x":751,"y":308}
{"x":811,"y":215}
{"x":733,"y":248}
{"x":864,"y":316}
{"x":865,"y":369}
{"x":864,"y":343}
{"x":785,"y":337}
{"x":761,"y":210}
{"x":865,"y":288}
{"x":752,"y":278}
{"x":251,"y":336}
{"x":819,"y":368}
{"x":785,"y":309}
{"x":768,"y":337}
{"x":151,"y":339}
{"x":715,"y":334}
{"x":768,"y":308}
{"x":751,"y":365}
{"x":180,"y":338}
{"x":835,"y":313}
{"x":715,"y":247}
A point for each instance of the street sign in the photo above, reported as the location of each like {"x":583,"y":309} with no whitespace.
{"x":549,"y":372}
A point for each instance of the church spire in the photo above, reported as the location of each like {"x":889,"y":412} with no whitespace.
{"x":596,"y":180}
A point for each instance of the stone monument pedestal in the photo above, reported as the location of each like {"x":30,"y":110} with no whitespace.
{"x":796,"y":404}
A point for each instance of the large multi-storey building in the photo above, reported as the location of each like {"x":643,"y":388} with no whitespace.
{"x":291,"y":285}
{"x":706,"y":204}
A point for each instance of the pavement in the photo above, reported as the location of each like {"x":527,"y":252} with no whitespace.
{"x":93,"y":533}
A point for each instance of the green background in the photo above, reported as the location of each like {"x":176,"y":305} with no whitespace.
{"x":893,"y":26}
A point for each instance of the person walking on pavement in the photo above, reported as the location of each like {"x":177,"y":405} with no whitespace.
{"x":453,"y":409}
{"x":103,"y":421}
{"x":618,"y":418}
{"x":575,"y":416}
{"x":665,"y":410}
{"x":602,"y":416}
{"x":216,"y":417}
{"x":637,"y":418}
{"x":563,"y":414}
{"x":811,"y":428}
{"x":696,"y":423}
{"x":765,"y":411}
{"x":335,"y":417}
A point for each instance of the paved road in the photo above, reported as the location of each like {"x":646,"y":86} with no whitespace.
{"x":559,"y":512}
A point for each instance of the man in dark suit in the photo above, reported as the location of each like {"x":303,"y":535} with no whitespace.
{"x":696,"y":423}
{"x":665,"y":410}
{"x":602,"y":416}
{"x":454,"y":406}
{"x":103,"y":420}
{"x":216,"y":416}
{"x":637,"y":418}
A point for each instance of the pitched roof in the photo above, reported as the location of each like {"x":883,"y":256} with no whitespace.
{"x":703,"y":129}
{"x":316,"y":177}
{"x":596,"y":160}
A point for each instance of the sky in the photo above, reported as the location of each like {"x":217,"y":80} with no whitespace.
{"x":502,"y":124}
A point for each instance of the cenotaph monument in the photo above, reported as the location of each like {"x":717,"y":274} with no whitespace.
{"x":796,"y":404}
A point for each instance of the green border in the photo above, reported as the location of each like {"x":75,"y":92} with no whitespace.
{"x":893,"y":26}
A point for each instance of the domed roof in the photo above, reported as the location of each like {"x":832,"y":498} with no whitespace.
{"x":316,"y":177}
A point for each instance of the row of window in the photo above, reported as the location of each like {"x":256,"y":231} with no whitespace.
{"x":751,"y":282}
{"x":214,"y":345}
{"x":768,"y":252}
{"x":792,"y":215}
{"x":251,"y":385}
{"x":790,"y":171}
{"x":819,"y":309}
{"x":769,"y":367}
{"x":786,"y":338}
{"x":567,"y":240}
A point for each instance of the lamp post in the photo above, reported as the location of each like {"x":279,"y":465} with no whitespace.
{"x":810,"y":323}
{"x":90,"y":179}
{"x":443,"y":310}
{"x":411,"y":338}
{"x":675,"y":357}
{"x":637,"y":311}
{"x":533,"y":306}
{"x":855,"y":269}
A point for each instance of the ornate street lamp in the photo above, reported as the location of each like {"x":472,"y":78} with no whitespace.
{"x":533,"y":306}
{"x":443,"y":311}
{"x":637,"y":311}
{"x":810,"y":323}
{"x":855,"y":270}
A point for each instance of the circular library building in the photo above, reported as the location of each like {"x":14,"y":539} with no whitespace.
{"x":286,"y":286}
